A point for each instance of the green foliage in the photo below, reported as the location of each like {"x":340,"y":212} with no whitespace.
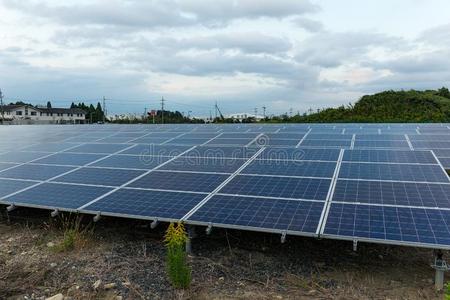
{"x":178,"y":270}
{"x":75,"y":233}
{"x":389,"y":106}
{"x":447,"y":291}
{"x":94,"y":114}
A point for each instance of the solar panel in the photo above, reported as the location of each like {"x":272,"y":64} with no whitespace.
{"x":275,"y":143}
{"x":57,"y":195}
{"x":150,"y":204}
{"x":200,"y":164}
{"x":107,"y":177}
{"x":280,"y":187}
{"x":291,"y":168}
{"x":75,"y":159}
{"x":400,"y":225}
{"x":381,"y":144}
{"x":11,"y":186}
{"x":392,"y":156}
{"x":34,"y":172}
{"x":218,"y":152}
{"x":260,"y":214}
{"x":21,"y":157}
{"x":392,"y":193}
{"x":99,"y":148}
{"x":396,"y":172}
{"x":325,"y":143}
{"x":178,"y":181}
{"x":230,"y":141}
{"x":300,"y":154}
{"x":143,"y":162}
{"x":4,"y":166}
{"x":156,"y":150}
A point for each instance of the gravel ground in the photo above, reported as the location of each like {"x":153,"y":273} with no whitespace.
{"x":126,"y":260}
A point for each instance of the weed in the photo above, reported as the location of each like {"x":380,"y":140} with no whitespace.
{"x":177,"y":268}
{"x":75,"y":233}
{"x":447,"y":291}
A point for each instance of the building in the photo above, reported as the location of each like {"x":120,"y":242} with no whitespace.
{"x":30,"y":114}
{"x":242,"y":116}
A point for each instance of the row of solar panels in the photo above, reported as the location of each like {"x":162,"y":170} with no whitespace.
{"x":388,"y":196}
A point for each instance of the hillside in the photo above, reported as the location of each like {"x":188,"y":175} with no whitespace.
{"x":388,"y":106}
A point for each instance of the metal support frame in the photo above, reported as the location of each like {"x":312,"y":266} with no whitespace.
{"x":11,"y":208}
{"x":283,"y":237}
{"x":54,"y":213}
{"x":441,"y":266}
{"x":355,"y":245}
{"x":190,"y":235}
{"x":97,"y":217}
{"x":154,"y":224}
{"x":209,"y":229}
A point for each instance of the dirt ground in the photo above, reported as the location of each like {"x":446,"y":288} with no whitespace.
{"x":126,"y":260}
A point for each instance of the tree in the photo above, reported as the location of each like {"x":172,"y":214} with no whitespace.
{"x":49,"y":104}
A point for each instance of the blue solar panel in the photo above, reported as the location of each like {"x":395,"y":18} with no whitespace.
{"x":99,"y":148}
{"x":83,"y":139}
{"x":151,"y":140}
{"x":295,"y":215}
{"x":230,"y":141}
{"x":445,"y":161}
{"x":326,"y":143}
{"x":442,"y":152}
{"x":198,"y":164}
{"x":393,"y":193}
{"x":291,"y":168}
{"x":218,"y":152}
{"x":152,"y":204}
{"x":58,"y":195}
{"x":283,"y":187}
{"x":177,"y":181}
{"x":380,"y":137}
{"x":300,"y":154}
{"x":50,"y":147}
{"x":239,"y":135}
{"x":397,"y":224}
{"x":115,"y":139}
{"x":188,"y":141}
{"x":4,"y":166}
{"x":429,"y":137}
{"x":69,"y":159}
{"x":381,"y":144}
{"x":274,"y":143}
{"x":393,"y":156}
{"x":283,"y":135}
{"x":334,"y":136}
{"x":431,"y":144}
{"x":11,"y":186}
{"x":21,"y":157}
{"x":131,"y":161}
{"x":109,"y":177}
{"x":34,"y":172}
{"x":396,"y":172}
{"x":157,"y":150}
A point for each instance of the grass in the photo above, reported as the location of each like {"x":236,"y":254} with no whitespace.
{"x":178,"y":270}
{"x":76,"y":233}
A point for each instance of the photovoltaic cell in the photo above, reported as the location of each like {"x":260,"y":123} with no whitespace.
{"x":393,"y":193}
{"x":21,"y":157}
{"x":4,"y":166}
{"x":177,"y":181}
{"x":109,"y":177}
{"x":99,"y":148}
{"x":274,"y":143}
{"x":381,"y":144}
{"x":156,"y":150}
{"x":50,"y":147}
{"x":230,"y":141}
{"x":152,"y":204}
{"x":34,"y":172}
{"x":396,"y":172}
{"x":69,"y":159}
{"x":11,"y":186}
{"x":219,"y":152}
{"x":131,"y":161}
{"x":197,"y":164}
{"x":392,"y":156}
{"x":299,"y":154}
{"x":283,"y":187}
{"x":431,"y":144}
{"x":325,"y":143}
{"x":290,"y":168}
{"x":58,"y":195}
{"x":394,"y":224}
{"x":274,"y":214}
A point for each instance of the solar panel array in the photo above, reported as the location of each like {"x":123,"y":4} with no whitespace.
{"x":381,"y":183}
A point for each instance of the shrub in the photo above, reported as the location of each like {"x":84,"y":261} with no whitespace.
{"x":178,"y":270}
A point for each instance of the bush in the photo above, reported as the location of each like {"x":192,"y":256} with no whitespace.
{"x":178,"y":270}
{"x":75,"y":233}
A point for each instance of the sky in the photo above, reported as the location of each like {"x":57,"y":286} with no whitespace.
{"x":285,"y":55}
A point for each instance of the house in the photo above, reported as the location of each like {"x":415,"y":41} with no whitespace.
{"x":242,"y":116}
{"x":31,"y":114}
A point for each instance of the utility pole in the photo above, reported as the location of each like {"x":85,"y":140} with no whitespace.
{"x":162,"y":110}
{"x":264,"y":111}
{"x":256,"y":112}
{"x":104,"y":109}
{"x":145,"y":115}
{"x":215,"y":110}
{"x":1,"y":106}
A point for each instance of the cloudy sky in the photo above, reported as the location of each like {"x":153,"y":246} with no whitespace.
{"x":282,"y":54}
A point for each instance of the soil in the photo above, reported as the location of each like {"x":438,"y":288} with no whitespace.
{"x":126,"y":259}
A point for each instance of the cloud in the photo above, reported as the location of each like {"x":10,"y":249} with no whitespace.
{"x":308,"y":24}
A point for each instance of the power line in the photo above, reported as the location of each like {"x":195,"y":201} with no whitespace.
{"x":264,"y":111}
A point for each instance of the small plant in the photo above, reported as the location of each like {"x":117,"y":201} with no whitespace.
{"x":75,"y":233}
{"x":177,"y":268}
{"x":447,"y":291}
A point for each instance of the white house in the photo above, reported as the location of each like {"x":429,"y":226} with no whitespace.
{"x":243,"y":116}
{"x":30,"y":114}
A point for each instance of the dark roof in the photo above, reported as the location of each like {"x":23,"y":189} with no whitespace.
{"x":47,"y":110}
